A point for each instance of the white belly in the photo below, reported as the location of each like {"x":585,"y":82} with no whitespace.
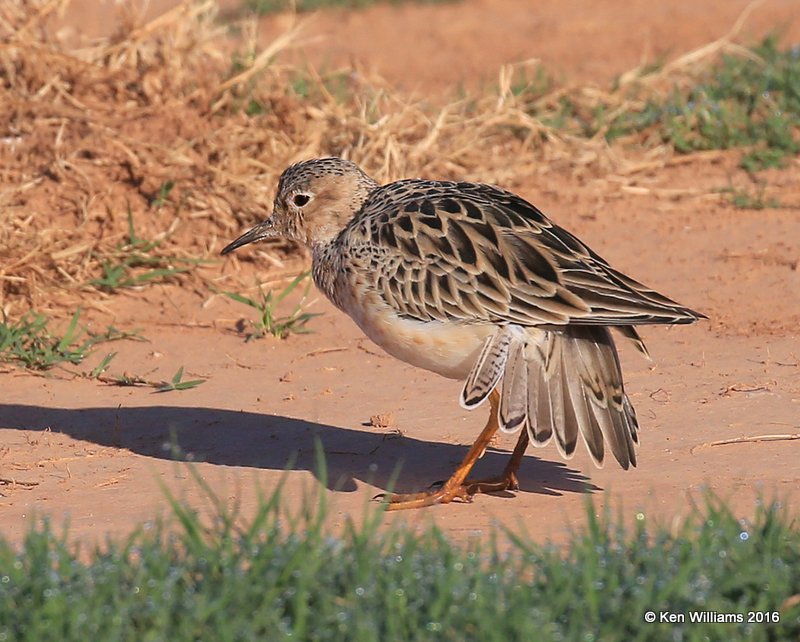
{"x":449,"y":349}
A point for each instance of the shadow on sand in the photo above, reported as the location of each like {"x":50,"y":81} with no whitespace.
{"x":270,"y":442}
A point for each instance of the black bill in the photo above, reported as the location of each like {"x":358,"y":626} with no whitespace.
{"x":257,"y":233}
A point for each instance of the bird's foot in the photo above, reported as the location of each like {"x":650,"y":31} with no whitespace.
{"x":440,"y":495}
{"x":446,"y":492}
{"x":507,"y":481}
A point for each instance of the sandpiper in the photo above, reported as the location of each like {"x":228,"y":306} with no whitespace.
{"x":474,"y":283}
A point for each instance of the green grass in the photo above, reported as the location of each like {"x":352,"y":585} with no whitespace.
{"x":315,"y":87}
{"x":285,"y":575}
{"x":742,"y":102}
{"x":161,"y":197}
{"x":533,"y":84}
{"x":137,"y":261}
{"x":263,"y":7}
{"x":268,"y":321}
{"x":754,"y":199}
{"x":178,"y":383}
{"x":337,"y":84}
{"x":31,"y":342}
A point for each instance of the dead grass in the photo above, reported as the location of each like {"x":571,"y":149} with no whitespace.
{"x":90,"y":130}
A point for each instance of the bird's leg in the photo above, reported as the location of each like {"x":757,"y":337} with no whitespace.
{"x":508,"y":479}
{"x":455,"y":487}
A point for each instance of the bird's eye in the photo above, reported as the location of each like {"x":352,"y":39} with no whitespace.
{"x":301,"y":199}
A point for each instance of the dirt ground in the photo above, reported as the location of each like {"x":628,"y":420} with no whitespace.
{"x":100,"y":456}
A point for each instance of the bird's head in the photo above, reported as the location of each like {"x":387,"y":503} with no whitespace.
{"x":315,"y":200}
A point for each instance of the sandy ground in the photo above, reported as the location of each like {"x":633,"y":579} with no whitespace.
{"x":100,"y":456}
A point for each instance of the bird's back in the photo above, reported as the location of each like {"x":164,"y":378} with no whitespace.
{"x":470,"y":252}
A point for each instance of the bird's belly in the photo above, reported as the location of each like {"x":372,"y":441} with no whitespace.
{"x":449,"y":349}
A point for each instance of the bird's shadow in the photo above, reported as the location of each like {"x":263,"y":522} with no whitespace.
{"x":271,"y":442}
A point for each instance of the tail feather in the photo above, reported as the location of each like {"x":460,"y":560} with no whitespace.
{"x":548,"y":412}
{"x":540,"y":415}
{"x":563,"y":383}
{"x":633,"y":422}
{"x":630,"y":332}
{"x":488,"y":369}
{"x":582,"y":390}
{"x":567,"y":430}
{"x":514,"y":398}
{"x":601,"y":376}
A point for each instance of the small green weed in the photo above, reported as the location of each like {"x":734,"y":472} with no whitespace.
{"x":125,"y":379}
{"x":246,"y":99}
{"x":177,"y":383}
{"x":318,"y":86}
{"x":531,"y":84}
{"x":101,"y":367}
{"x":160,"y":198}
{"x":264,"y":7}
{"x":315,"y":86}
{"x":755,"y":199}
{"x":135,"y":262}
{"x":30,"y":342}
{"x":268,"y":322}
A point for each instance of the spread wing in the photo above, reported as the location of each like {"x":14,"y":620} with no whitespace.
{"x":470,"y":252}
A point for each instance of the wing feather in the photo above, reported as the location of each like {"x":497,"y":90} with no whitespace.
{"x":477,"y":253}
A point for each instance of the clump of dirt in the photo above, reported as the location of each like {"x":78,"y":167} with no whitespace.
{"x":92,"y":132}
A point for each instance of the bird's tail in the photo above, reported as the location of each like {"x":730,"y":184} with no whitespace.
{"x":560,"y":382}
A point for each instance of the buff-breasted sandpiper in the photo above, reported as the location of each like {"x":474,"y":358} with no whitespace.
{"x":474,"y":283}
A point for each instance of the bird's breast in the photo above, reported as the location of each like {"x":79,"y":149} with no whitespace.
{"x":449,"y":349}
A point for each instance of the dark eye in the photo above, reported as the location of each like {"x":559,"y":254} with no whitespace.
{"x":301,"y":199}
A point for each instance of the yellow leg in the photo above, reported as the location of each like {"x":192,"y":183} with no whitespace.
{"x":458,"y":487}
{"x":506,"y":481}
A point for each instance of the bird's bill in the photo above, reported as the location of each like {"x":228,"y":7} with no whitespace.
{"x":257,"y":233}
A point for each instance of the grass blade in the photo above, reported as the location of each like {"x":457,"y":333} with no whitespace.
{"x":101,"y":367}
{"x":177,"y":384}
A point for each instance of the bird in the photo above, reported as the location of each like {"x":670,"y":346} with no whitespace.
{"x":472,"y":282}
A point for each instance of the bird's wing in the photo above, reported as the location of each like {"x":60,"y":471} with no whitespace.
{"x":470,"y":252}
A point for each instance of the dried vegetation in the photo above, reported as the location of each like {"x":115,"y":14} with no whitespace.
{"x":170,"y":122}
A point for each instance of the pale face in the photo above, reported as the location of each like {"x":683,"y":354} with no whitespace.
{"x":315,"y":200}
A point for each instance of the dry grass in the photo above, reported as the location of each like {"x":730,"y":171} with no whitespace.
{"x":91,"y":130}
